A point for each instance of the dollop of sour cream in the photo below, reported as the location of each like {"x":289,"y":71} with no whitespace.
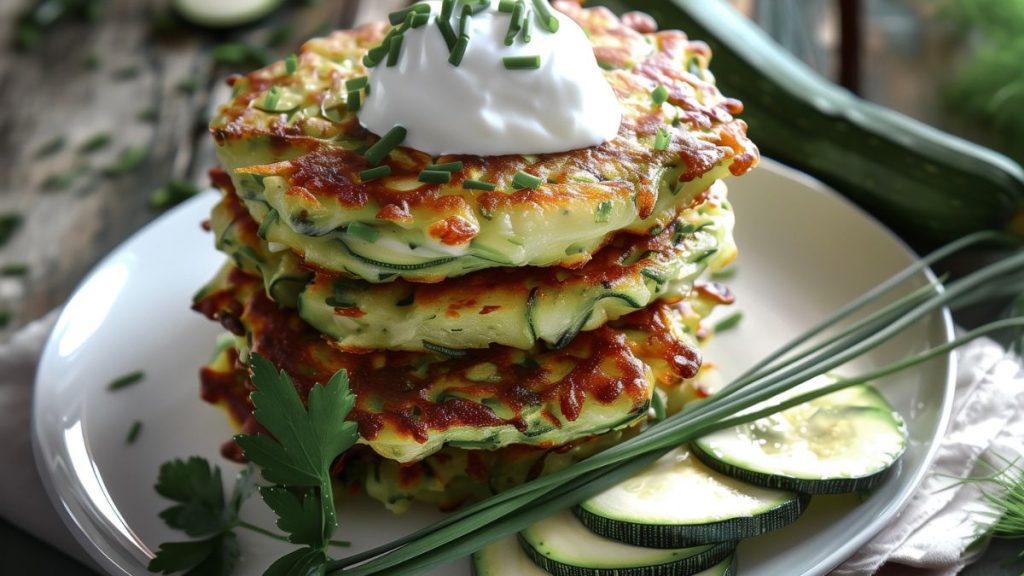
{"x":480,"y":107}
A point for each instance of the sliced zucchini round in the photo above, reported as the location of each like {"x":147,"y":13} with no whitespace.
{"x":842,"y":442}
{"x":678,"y":501}
{"x":506,"y":558}
{"x":561,"y":545}
{"x":224,"y":13}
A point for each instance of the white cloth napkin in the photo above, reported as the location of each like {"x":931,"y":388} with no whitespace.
{"x":933,"y":532}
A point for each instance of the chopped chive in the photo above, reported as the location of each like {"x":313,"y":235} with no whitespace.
{"x":544,"y":15}
{"x":729,"y":322}
{"x":9,"y":224}
{"x":50,"y":147}
{"x":450,"y":38}
{"x":148,"y":115}
{"x":459,"y":51}
{"x":129,"y":379}
{"x":397,"y":17}
{"x":525,"y":180}
{"x":188,"y":86}
{"x":64,"y":180}
{"x":291,"y":64}
{"x":126,"y":73}
{"x":464,"y":19}
{"x":271,"y":99}
{"x":526,"y":29}
{"x":363,"y":231}
{"x":14,"y":270}
{"x":507,"y":5}
{"x":470,"y":184}
{"x":726,"y":274}
{"x":420,"y":19}
{"x":5,"y":318}
{"x":447,"y":7}
{"x":658,"y":405}
{"x":133,"y":432}
{"x":380,"y":149}
{"x":603,"y":212}
{"x":369,"y":61}
{"x":394,"y":50}
{"x":375,"y":173}
{"x":96,"y":142}
{"x":515,"y":24}
{"x":660,"y":95}
{"x":356,"y":83}
{"x":476,"y":6}
{"x":662,"y":139}
{"x":446,"y":167}
{"x":354,"y":101}
{"x":435,"y":176}
{"x":173,"y":193}
{"x":521,"y":62}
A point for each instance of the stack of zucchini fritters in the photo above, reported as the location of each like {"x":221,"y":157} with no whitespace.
{"x":490,"y":335}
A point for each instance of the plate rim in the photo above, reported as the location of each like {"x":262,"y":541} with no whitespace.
{"x":75,"y":515}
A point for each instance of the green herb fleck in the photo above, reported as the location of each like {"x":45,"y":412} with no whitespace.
{"x":129,"y":379}
{"x":450,"y":37}
{"x":356,"y":83}
{"x":447,"y":166}
{"x":92,"y":61}
{"x":394,"y":49}
{"x":398,"y":17}
{"x":379,"y":151}
{"x":521,"y":62}
{"x":515,"y":23}
{"x":525,"y":180}
{"x":95,"y":143}
{"x":660,"y":95}
{"x":50,"y":147}
{"x":447,"y":7}
{"x":374,"y":173}
{"x":188,"y":86}
{"x":126,"y":73}
{"x":133,"y":432}
{"x":435,"y":176}
{"x":729,"y":322}
{"x":148,"y":115}
{"x":662,"y":139}
{"x":507,"y":6}
{"x":459,"y":51}
{"x":725,"y":274}
{"x":130,"y":158}
{"x":14,"y":270}
{"x":291,"y":64}
{"x":444,"y":350}
{"x":66,"y":179}
{"x":420,"y":19}
{"x":354,"y":101}
{"x":470,"y":184}
{"x":5,"y":318}
{"x":239,"y":54}
{"x":363,"y":231}
{"x":9,"y":224}
{"x":658,"y":405}
{"x":603,"y":212}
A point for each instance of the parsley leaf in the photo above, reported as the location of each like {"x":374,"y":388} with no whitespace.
{"x":303,"y":443}
{"x":298,"y":514}
{"x":298,"y":563}
{"x":214,"y":556}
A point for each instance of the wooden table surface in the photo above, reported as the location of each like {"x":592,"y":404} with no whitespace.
{"x":96,"y":117}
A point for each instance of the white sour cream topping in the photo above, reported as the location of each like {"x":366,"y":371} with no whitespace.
{"x":482,"y":108}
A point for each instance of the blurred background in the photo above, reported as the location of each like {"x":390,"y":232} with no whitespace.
{"x":103,"y":107}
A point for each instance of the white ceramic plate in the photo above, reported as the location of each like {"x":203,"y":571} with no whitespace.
{"x":804,"y":252}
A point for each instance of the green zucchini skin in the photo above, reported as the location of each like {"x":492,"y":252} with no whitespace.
{"x":928,"y":186}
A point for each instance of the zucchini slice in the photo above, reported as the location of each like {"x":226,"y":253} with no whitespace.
{"x":505,"y":558}
{"x":678,"y":501}
{"x":842,"y":442}
{"x":562,"y":546}
{"x":224,"y":13}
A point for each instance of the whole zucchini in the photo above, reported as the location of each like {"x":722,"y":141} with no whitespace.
{"x":928,"y":186}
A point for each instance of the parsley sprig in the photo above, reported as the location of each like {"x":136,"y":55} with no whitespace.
{"x":295,"y":457}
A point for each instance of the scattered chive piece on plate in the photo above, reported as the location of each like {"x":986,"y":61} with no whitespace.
{"x":354,"y":101}
{"x":471,"y":184}
{"x":515,"y":24}
{"x":291,"y":64}
{"x":544,"y":15}
{"x":9,"y":224}
{"x":419,"y":19}
{"x":398,"y":17}
{"x":662,"y":139}
{"x":12,"y":270}
{"x":603,"y":212}
{"x":729,"y":322}
{"x":133,"y":432}
{"x":450,"y":38}
{"x":506,"y":5}
{"x":5,"y":318}
{"x":660,"y":95}
{"x":50,"y":147}
{"x":363,"y":231}
{"x":129,"y":379}
{"x":96,"y":142}
{"x":459,"y":51}
{"x":356,"y":83}
{"x":374,"y":173}
{"x":521,"y":62}
{"x":464,"y":19}
{"x":524,"y":180}
{"x":435,"y":176}
{"x":446,"y":167}
{"x":525,"y":32}
{"x":447,"y":7}
{"x":394,"y":49}
{"x":272,"y":98}
{"x":476,"y":6}
{"x":131,"y":158}
{"x":380,"y":149}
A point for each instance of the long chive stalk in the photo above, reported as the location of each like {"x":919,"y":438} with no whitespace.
{"x":513,"y":509}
